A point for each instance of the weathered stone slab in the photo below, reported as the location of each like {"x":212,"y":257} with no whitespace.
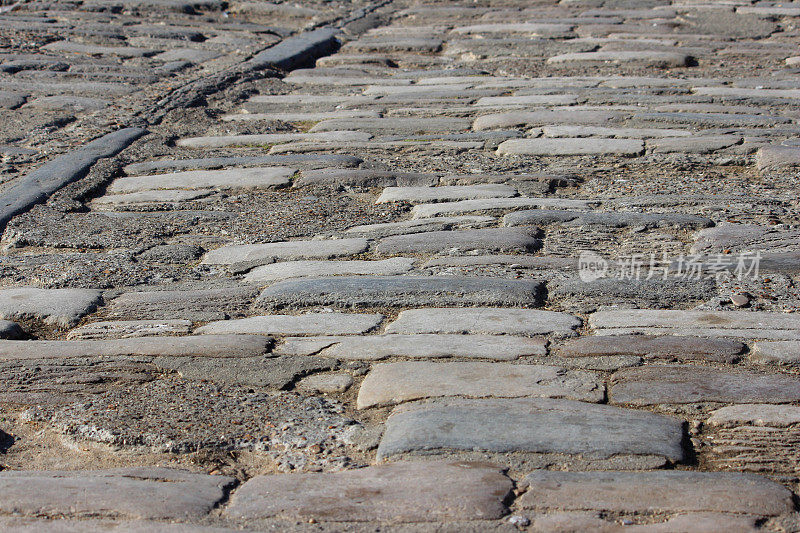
{"x":775,"y":157}
{"x":545,"y":117}
{"x":245,"y":178}
{"x":528,"y":100}
{"x":530,"y":425}
{"x":271,"y":138}
{"x":747,"y":237}
{"x":196,"y":304}
{"x":530,"y":28}
{"x":405,"y":227}
{"x":287,"y":250}
{"x":167,"y":196}
{"x":124,"y":329}
{"x":400,"y":492}
{"x":445,"y":193}
{"x":755,"y":414}
{"x":658,"y":491}
{"x":394,"y":125}
{"x":610,"y":219}
{"x":305,"y":161}
{"x":495,"y":205}
{"x":695,"y":522}
{"x":401,"y":291}
{"x":13,"y":524}
{"x":304,"y":269}
{"x":297,"y":50}
{"x":698,"y":144}
{"x":648,"y":346}
{"x":90,"y":49}
{"x":71,"y":103}
{"x":393,"y":383}
{"x":363,"y":178}
{"x":747,"y":324}
{"x":58,"y":307}
{"x":327,"y":383}
{"x":307,"y":324}
{"x":483,"y":321}
{"x":649,"y":58}
{"x":300,"y":116}
{"x":376,"y":347}
{"x":172,"y":346}
{"x":139,"y":492}
{"x":651,"y":385}
{"x":11,"y":100}
{"x":719,"y":120}
{"x":488,"y":239}
{"x":780,"y":352}
{"x":736,"y":93}
{"x":600,"y":131}
{"x":564,"y":146}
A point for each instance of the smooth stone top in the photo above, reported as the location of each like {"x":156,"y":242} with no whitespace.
{"x":483,"y":320}
{"x":489,"y":239}
{"x":305,"y":269}
{"x":445,"y":193}
{"x":58,"y":307}
{"x":122,"y":329}
{"x":307,"y":324}
{"x":649,"y":346}
{"x":781,"y":352}
{"x":567,"y":146}
{"x":755,"y":414}
{"x":234,"y":178}
{"x":310,"y":249}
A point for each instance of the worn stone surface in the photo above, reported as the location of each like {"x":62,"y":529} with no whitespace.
{"x":305,"y":269}
{"x":248,"y":253}
{"x":492,"y":321}
{"x":781,"y":352}
{"x":306,"y":324}
{"x":489,"y":239}
{"x":648,"y":346}
{"x":557,"y":147}
{"x":123,"y":329}
{"x":59,"y":307}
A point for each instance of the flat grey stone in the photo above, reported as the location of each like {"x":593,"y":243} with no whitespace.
{"x":33,"y":525}
{"x":600,"y":131}
{"x":564,"y":146}
{"x":376,"y":347}
{"x":403,"y":227}
{"x":449,"y":193}
{"x":695,"y":522}
{"x":698,"y":144}
{"x":651,"y":385}
{"x":719,"y":120}
{"x":303,"y":269}
{"x":11,"y":100}
{"x":271,"y":372}
{"x":300,"y":116}
{"x":271,"y":138}
{"x":138,"y":492}
{"x":58,"y":307}
{"x":483,"y":321}
{"x":401,"y":291}
{"x":259,"y":177}
{"x":297,"y":160}
{"x":393,"y":383}
{"x":362,"y":178}
{"x":780,"y":352}
{"x":192,"y":55}
{"x":746,"y":237}
{"x":306,"y":324}
{"x":648,"y":346}
{"x":776,"y":157}
{"x":533,"y":29}
{"x":394,"y":125}
{"x":172,"y":346}
{"x":649,"y":58}
{"x":610,"y":219}
{"x":496,"y":205}
{"x":487,"y":239}
{"x":527,"y":100}
{"x":90,"y":49}
{"x":167,"y":196}
{"x":69,"y":103}
{"x":658,"y":491}
{"x":325,"y":383}
{"x":297,"y":50}
{"x":124,"y":329}
{"x":287,"y":250}
{"x":400,"y":492}
{"x":735,"y":93}
{"x":545,"y":117}
{"x":643,"y":292}
{"x":755,"y":414}
{"x":195,"y":304}
{"x":530,"y":425}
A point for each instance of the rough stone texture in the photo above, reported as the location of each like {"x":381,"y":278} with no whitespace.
{"x":610,"y":219}
{"x":483,"y":321}
{"x":325,"y":383}
{"x":558,"y":147}
{"x":445,"y":193}
{"x":306,"y":269}
{"x":125,"y":329}
{"x":259,"y":177}
{"x":248,"y":253}
{"x":401,"y":492}
{"x":757,"y":414}
{"x":489,"y":239}
{"x":690,"y":384}
{"x":306,"y":324}
{"x":394,"y":291}
{"x":495,"y":204}
{"x":781,"y":352}
{"x":648,"y":346}
{"x":535,"y":425}
{"x":193,"y":304}
{"x":152,"y":493}
{"x":660,"y":491}
{"x":392,"y":383}
{"x":59,"y":307}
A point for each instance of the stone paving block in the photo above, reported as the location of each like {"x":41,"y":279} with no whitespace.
{"x":58,"y":307}
{"x":649,"y":58}
{"x":393,"y":125}
{"x":168,"y":196}
{"x":648,"y":346}
{"x":76,"y":104}
{"x":305,"y":269}
{"x":529,"y":425}
{"x":745,"y":93}
{"x":658,"y":491}
{"x":89,"y":49}
{"x":545,"y":117}
{"x":651,"y":385}
{"x":33,"y":525}
{"x":287,"y":250}
{"x":757,"y":414}
{"x":698,"y":144}
{"x":138,"y":492}
{"x":489,"y":239}
{"x":496,"y":204}
{"x":564,"y":146}
{"x":325,"y":383}
{"x":609,"y":219}
{"x":363,"y":178}
{"x":304,"y":161}
{"x":124,"y":329}
{"x":483,"y":321}
{"x":400,"y":492}
{"x":173,"y":346}
{"x":530,"y":28}
{"x":306,"y":324}
{"x":404,"y":227}
{"x":401,"y":291}
{"x":194,"y":304}
{"x":600,"y":131}
{"x":528,"y":100}
{"x":445,"y":193}
{"x":272,"y":138}
{"x":695,"y":522}
{"x":11,"y":100}
{"x":780,"y":352}
{"x":244,"y":178}
{"x":393,"y":383}
{"x":777,"y":157}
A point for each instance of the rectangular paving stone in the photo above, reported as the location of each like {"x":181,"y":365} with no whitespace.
{"x":736,"y":93}
{"x":394,"y":125}
{"x":58,"y":307}
{"x":497,"y":204}
{"x":651,"y":385}
{"x":234,"y":178}
{"x":780,"y":352}
{"x":445,"y":193}
{"x":514,"y":119}
{"x":393,"y":383}
{"x":142,"y":198}
{"x":426,"y":491}
{"x":404,"y":227}
{"x":194,"y":304}
{"x":661,"y":491}
{"x":173,"y":346}
{"x":646,"y":57}
{"x":489,"y":239}
{"x":401,"y":291}
{"x":305,"y":269}
{"x":483,"y":321}
{"x":528,"y":100}
{"x":286,"y":250}
{"x":363,"y":178}
{"x":652,"y":347}
{"x":138,"y":492}
{"x":604,"y":218}
{"x":271,"y":138}
{"x":600,"y":131}
{"x":306,"y":324}
{"x":529,"y":425}
{"x":124,"y":329}
{"x":530,"y":28}
{"x":565,"y":146}
{"x":90,"y":49}
{"x":697,"y":144}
